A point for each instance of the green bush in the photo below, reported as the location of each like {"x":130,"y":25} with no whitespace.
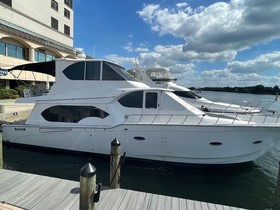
{"x":8,"y":94}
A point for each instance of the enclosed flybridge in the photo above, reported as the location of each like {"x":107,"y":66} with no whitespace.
{"x":95,"y":101}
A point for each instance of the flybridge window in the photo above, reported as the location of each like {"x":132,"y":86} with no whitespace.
{"x":132,"y":100}
{"x":187,"y":94}
{"x":72,"y":114}
{"x":90,"y":70}
{"x":114,"y":72}
{"x":83,"y":71}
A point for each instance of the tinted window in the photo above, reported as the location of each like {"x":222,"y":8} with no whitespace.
{"x":54,"y":23}
{"x":133,"y":100}
{"x":67,"y":30}
{"x":92,"y":70}
{"x":72,"y":113}
{"x":8,"y":2}
{"x":121,"y":71}
{"x":108,"y":73}
{"x":11,"y":50}
{"x":187,"y":94}
{"x":151,"y":100}
{"x":2,"y":48}
{"x":75,"y":71}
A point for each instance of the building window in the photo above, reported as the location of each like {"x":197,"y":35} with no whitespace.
{"x":42,"y":56}
{"x":54,"y":23}
{"x":67,"y":30}
{"x":69,"y":3}
{"x":2,"y":48}
{"x":8,"y":2}
{"x":66,"y":13}
{"x":12,"y":50}
{"x":54,"y":5}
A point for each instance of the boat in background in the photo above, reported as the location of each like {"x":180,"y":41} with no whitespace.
{"x":161,"y":77}
{"x":94,"y":101}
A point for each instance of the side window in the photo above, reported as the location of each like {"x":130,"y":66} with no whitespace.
{"x":93,"y":70}
{"x":72,"y":114}
{"x":109,"y":73}
{"x":151,"y":100}
{"x":75,"y":71}
{"x":132,"y":100}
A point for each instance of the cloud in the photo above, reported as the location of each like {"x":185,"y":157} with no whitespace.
{"x":260,"y":64}
{"x":222,"y":26}
{"x":128,"y":62}
{"x":224,"y":78}
{"x":128,"y":47}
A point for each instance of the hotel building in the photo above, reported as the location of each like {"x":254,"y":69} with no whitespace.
{"x":34,"y":31}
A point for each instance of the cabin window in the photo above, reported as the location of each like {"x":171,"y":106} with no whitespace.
{"x":132,"y":100}
{"x":72,"y":114}
{"x":151,"y":100}
{"x":75,"y":71}
{"x":93,"y":70}
{"x":121,"y":71}
{"x":187,"y":94}
{"x":109,"y":73}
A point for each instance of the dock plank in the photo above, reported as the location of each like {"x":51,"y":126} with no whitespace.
{"x":35,"y":192}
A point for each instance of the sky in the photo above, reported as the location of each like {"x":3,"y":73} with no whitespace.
{"x":204,"y":43}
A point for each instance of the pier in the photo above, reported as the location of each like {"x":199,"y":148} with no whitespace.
{"x":35,"y":192}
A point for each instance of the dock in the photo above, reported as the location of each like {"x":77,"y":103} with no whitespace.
{"x":36,"y":192}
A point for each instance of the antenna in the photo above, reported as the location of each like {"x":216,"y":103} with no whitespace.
{"x":93,"y":55}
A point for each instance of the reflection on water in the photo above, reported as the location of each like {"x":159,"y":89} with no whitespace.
{"x":249,"y":185}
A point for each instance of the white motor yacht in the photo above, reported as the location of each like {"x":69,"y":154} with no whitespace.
{"x":161,"y":77}
{"x":95,"y":101}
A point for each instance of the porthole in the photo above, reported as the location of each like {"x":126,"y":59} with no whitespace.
{"x":215,"y":143}
{"x":139,"y":138}
{"x":257,"y":142}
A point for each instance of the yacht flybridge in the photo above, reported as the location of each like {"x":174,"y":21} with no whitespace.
{"x":95,"y":101}
{"x":161,"y":77}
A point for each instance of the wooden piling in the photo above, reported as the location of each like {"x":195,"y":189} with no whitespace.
{"x":277,"y":191}
{"x":115,"y":171}
{"x":87,"y":187}
{"x":1,"y":152}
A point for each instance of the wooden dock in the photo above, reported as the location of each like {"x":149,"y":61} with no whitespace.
{"x":29,"y":191}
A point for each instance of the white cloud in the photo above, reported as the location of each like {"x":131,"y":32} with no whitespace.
{"x":141,"y":49}
{"x":222,"y":26}
{"x":260,"y":64}
{"x":224,"y":78}
{"x":128,"y":62}
{"x":128,"y":47}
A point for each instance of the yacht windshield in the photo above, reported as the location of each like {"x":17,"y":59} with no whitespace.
{"x":187,"y":94}
{"x":121,"y":71}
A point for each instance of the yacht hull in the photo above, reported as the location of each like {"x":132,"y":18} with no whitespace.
{"x":213,"y":144}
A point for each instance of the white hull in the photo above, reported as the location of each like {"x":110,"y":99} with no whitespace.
{"x":172,"y":143}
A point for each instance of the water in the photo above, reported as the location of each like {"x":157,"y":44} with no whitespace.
{"x":250,"y":185}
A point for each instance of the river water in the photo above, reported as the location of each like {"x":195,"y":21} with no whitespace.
{"x":250,"y":185}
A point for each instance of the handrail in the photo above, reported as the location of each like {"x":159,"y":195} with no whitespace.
{"x":203,"y":119}
{"x":259,"y":105}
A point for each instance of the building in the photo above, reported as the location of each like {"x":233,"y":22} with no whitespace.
{"x":34,"y":31}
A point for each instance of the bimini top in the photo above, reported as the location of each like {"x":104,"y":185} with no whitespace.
{"x":42,"y":67}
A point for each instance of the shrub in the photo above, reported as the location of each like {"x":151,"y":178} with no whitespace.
{"x":8,"y":94}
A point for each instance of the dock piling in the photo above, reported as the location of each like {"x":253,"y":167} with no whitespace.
{"x":1,"y":152}
{"x":115,"y":171}
{"x":277,"y":191}
{"x":87,"y":187}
